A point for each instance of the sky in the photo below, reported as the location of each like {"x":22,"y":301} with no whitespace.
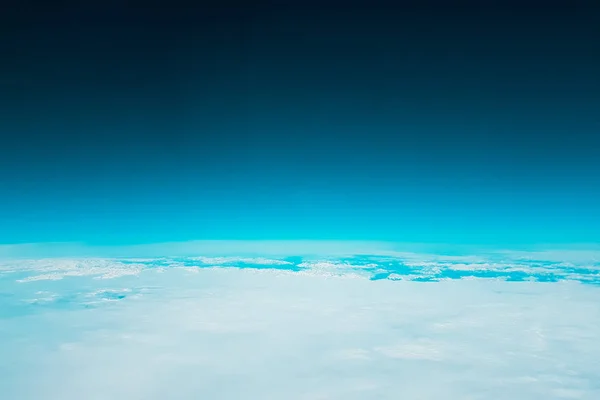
{"x":122,"y":125}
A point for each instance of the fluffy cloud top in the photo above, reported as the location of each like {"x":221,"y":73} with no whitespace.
{"x":299,"y":328}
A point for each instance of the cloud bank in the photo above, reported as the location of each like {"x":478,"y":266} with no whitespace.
{"x":232,"y":333}
{"x":281,"y":248}
{"x":386,"y":325}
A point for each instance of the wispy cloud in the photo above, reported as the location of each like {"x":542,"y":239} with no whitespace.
{"x":248,"y":248}
{"x":394,"y":265}
{"x":579,"y":253}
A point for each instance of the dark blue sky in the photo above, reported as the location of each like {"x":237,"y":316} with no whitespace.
{"x":460,"y":124}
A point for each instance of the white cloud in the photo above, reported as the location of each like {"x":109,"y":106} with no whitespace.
{"x":586,"y":256}
{"x":403,"y":266}
{"x":225,"y":333}
{"x":244,"y":248}
{"x":416,"y":350}
{"x":59,"y":268}
{"x":243,"y":260}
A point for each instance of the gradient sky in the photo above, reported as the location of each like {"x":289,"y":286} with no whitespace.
{"x":123,"y":125}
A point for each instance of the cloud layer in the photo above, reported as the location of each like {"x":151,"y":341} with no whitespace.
{"x":298,"y":328}
{"x":541,"y":266}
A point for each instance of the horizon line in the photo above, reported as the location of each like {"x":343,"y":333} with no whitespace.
{"x":288,"y":247}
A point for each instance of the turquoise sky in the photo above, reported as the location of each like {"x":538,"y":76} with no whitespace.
{"x":295,"y":123}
